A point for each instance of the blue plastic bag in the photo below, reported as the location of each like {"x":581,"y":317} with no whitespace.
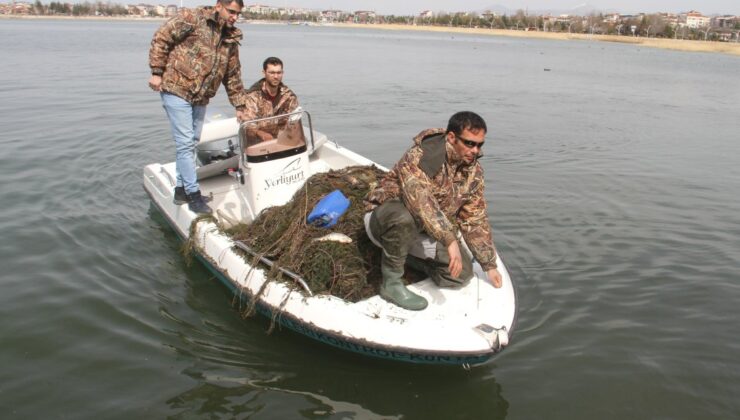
{"x":328,"y":210}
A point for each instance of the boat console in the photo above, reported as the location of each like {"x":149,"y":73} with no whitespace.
{"x":268,"y":156}
{"x":274,"y":158}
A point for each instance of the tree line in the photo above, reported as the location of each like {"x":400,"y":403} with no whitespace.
{"x":80,"y":9}
{"x":649,"y":25}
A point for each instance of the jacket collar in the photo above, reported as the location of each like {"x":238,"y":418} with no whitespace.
{"x":258,"y":87}
{"x":453,"y":158}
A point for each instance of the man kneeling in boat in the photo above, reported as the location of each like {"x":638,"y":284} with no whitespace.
{"x":431,"y":194}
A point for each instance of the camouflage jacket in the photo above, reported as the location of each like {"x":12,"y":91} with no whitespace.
{"x":259,"y":105}
{"x":194,"y":52}
{"x":442,"y":193}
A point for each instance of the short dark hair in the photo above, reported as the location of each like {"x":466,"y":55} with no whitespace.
{"x":228,"y":2}
{"x":466,"y":120}
{"x":273,"y":61}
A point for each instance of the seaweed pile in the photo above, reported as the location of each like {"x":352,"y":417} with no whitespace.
{"x":346,"y":270}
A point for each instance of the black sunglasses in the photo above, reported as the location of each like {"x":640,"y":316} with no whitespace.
{"x":470,"y":143}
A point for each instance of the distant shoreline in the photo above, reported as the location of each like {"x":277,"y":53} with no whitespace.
{"x":62,"y":17}
{"x":732,"y":48}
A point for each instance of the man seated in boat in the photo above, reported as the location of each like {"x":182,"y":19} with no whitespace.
{"x":418,"y":211}
{"x":269,"y":97}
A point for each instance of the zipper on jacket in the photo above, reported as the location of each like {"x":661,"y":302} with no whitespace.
{"x":215,"y":62}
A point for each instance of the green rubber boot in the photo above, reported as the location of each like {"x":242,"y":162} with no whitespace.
{"x":394,"y":291}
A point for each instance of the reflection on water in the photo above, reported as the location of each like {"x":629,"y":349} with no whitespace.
{"x":337,"y":392}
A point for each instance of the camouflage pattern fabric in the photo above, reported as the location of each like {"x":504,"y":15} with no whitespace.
{"x":259,"y":105}
{"x":392,"y":224}
{"x":195,"y":52}
{"x":451,"y":199}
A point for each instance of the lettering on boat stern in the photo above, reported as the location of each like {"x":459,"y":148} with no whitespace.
{"x":290,"y":174}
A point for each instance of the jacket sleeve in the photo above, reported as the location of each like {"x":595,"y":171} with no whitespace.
{"x":251,"y":103}
{"x":254,"y":107}
{"x":473,"y":221}
{"x":233,"y":80}
{"x":167,"y":36}
{"x":417,"y":194}
{"x":291,"y":104}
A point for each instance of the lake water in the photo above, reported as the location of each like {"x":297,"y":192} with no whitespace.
{"x":613,"y":177}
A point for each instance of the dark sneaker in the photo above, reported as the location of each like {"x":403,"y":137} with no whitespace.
{"x":197,"y":204}
{"x":180,"y":196}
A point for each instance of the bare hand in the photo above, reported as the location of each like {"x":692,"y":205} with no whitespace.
{"x":455,"y":267}
{"x":241,"y":114}
{"x":155,"y":83}
{"x":494,"y":277}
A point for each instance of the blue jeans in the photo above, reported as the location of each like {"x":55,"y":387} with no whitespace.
{"x":186,"y":122}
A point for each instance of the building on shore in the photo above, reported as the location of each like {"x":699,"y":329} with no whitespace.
{"x":694,"y":19}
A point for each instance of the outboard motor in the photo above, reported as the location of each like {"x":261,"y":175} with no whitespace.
{"x":274,"y":158}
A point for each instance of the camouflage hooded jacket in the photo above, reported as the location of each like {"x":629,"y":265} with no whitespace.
{"x":259,"y":105}
{"x":442,"y":192}
{"x":194,"y":52}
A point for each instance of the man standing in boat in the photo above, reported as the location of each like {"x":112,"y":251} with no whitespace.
{"x":269,"y":97}
{"x":435,"y":189}
{"x":190,"y":56}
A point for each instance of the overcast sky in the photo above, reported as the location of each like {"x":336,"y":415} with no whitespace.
{"x":412,"y":7}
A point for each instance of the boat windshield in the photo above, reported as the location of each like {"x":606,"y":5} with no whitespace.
{"x":271,"y":138}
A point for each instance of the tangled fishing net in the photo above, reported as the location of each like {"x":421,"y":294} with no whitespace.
{"x":346,"y":270}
